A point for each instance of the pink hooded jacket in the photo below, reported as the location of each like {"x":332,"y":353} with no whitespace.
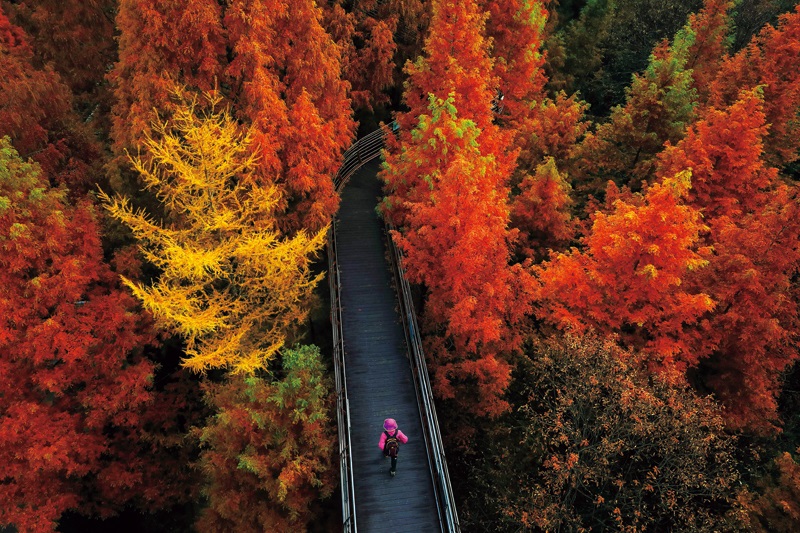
{"x":391,"y":426}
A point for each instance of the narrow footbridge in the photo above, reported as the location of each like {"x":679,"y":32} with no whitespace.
{"x":380,"y":367}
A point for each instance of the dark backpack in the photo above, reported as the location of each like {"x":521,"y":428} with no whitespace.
{"x":391,"y":446}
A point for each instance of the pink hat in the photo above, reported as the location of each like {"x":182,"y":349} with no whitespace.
{"x":389,"y":424}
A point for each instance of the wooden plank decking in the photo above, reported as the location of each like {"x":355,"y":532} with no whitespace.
{"x":379,"y":379}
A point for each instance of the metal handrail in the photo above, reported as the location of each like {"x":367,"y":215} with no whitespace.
{"x":443,"y":490}
{"x":342,"y":404}
{"x":361,"y":152}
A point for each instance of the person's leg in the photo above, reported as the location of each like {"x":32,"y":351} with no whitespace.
{"x":394,"y":466}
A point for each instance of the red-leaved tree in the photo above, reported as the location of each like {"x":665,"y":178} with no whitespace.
{"x":73,"y":377}
{"x":76,"y":37}
{"x":754,"y":226}
{"x":516,"y":31}
{"x":769,"y":60}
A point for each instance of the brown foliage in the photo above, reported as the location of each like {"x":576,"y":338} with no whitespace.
{"x":596,"y":446}
{"x":777,"y":508}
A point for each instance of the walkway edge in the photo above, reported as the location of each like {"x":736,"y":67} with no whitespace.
{"x":361,"y":152}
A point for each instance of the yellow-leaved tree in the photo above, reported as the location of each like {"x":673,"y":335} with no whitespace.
{"x":230,"y":284}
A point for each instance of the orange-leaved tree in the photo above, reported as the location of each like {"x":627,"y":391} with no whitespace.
{"x":723,"y":151}
{"x":285,"y":76}
{"x":541,"y":126}
{"x":273,"y":63}
{"x":447,"y":190}
{"x":753,"y":332}
{"x":777,"y":508}
{"x":515,"y":29}
{"x":629,"y":279}
{"x":161,"y":44}
{"x":544,"y":129}
{"x":753,"y":222}
{"x":229,"y":283}
{"x":72,"y":374}
{"x":770,"y":59}
{"x":541,"y":211}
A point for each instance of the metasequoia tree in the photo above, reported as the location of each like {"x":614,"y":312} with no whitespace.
{"x":456,"y":60}
{"x":366,"y":39}
{"x":630,"y":277}
{"x":161,"y":44}
{"x":455,"y":240}
{"x":516,"y":29}
{"x":544,"y":129}
{"x":541,"y":211}
{"x":554,"y":128}
{"x":73,"y":377}
{"x":409,"y":20}
{"x":447,"y":190}
{"x":268,"y":453}
{"x":753,"y":228}
{"x":710,"y":28}
{"x":542,"y":126}
{"x":285,"y":74}
{"x":723,"y":151}
{"x":596,"y":445}
{"x":229,"y":284}
{"x":36,"y":113}
{"x":754,"y":330}
{"x":456,"y":69}
{"x":272,"y":62}
{"x":770,"y":60}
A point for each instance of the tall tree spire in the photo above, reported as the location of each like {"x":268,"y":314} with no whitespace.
{"x":447,"y":188}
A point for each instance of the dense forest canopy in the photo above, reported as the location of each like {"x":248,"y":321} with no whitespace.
{"x":598,"y":205}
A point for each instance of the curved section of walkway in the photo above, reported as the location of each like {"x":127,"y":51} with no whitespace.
{"x":379,"y":378}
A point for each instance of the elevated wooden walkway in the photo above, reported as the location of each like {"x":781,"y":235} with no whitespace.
{"x":379,"y":376}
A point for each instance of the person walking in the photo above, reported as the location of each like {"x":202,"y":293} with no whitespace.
{"x":390,"y":442}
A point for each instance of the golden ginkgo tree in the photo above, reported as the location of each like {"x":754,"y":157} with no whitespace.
{"x":230,"y":284}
